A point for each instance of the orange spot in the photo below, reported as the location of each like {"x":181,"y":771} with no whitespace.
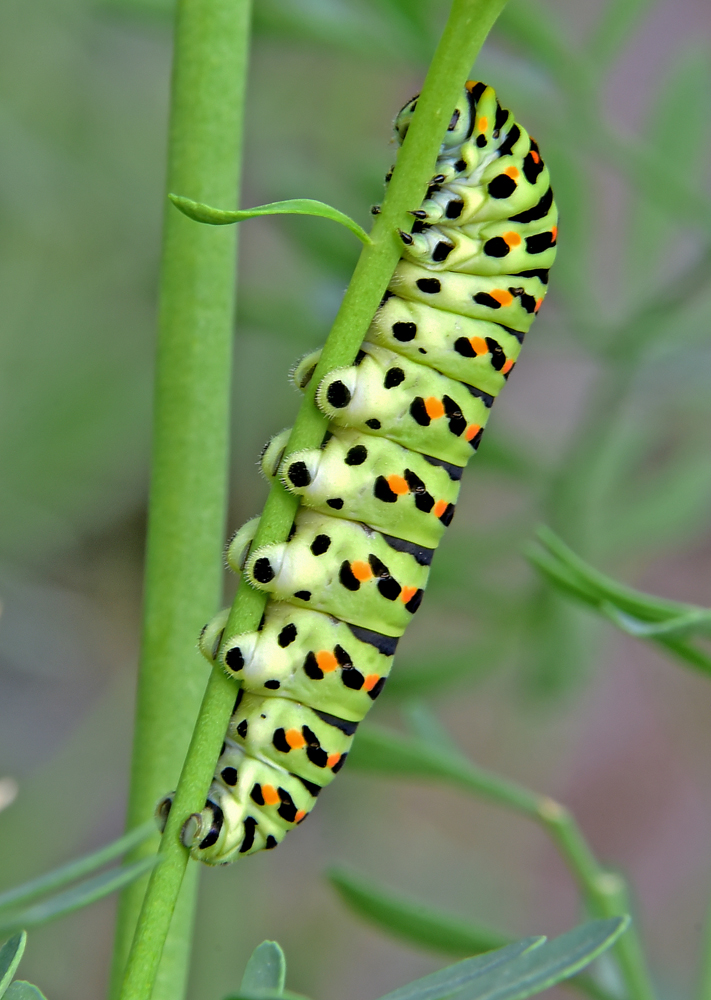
{"x":398,"y":485}
{"x":407,"y":593}
{"x":434,"y":407}
{"x":326,"y":661}
{"x":502,"y":296}
{"x":483,"y":123}
{"x":511,"y":172}
{"x":370,"y":681}
{"x":439,"y":508}
{"x":472,"y":431}
{"x":471,"y":84}
{"x":539,"y":303}
{"x":479,"y":345}
{"x":534,"y":156}
{"x":294,"y":738}
{"x":301,"y":814}
{"x":512,"y":239}
{"x":333,"y":758}
{"x":508,"y":365}
{"x":554,"y":232}
{"x":361,"y":570}
{"x":270,"y":795}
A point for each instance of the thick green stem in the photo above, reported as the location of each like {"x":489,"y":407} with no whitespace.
{"x":467,"y":27}
{"x":190,"y":448}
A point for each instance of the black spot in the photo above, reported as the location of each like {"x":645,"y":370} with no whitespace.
{"x":540,"y":242}
{"x":404,"y":331}
{"x":389,"y":588}
{"x":447,"y":514}
{"x":454,"y":209}
{"x":422,"y":350}
{"x":535,"y":272}
{"x":413,"y":481}
{"x":418,"y":226}
{"x":338,"y":394}
{"x":321,"y":543}
{"x":382,"y":491}
{"x":272,"y":685}
{"x":263,"y":571}
{"x":501,"y":186}
{"x":453,"y":120}
{"x":528,"y":302}
{"x":373,"y":423}
{"x":229,"y":775}
{"x":418,"y":411}
{"x":476,"y":440}
{"x":460,"y":165}
{"x":342,"y":656}
{"x":481,"y":141}
{"x":429,"y":285}
{"x":218,"y":818}
{"x":336,"y":503}
{"x":210,"y":839}
{"x":303,"y":595}
{"x":242,"y":729}
{"x":271,"y":843}
{"x":539,"y":210}
{"x":310,"y":786}
{"x":256,"y":795}
{"x":421,"y":555}
{"x":484,"y":299}
{"x":485,"y":397}
{"x":385,"y":644}
{"x":287,"y":635}
{"x":345,"y":575}
{"x":405,"y":237}
{"x":339,"y":763}
{"x":352,"y":678}
{"x":453,"y":471}
{"x":287,"y":809}
{"x":462,"y":345}
{"x":250,"y":825}
{"x":415,"y":601}
{"x":455,"y":417}
{"x":299,"y":474}
{"x":356,"y":455}
{"x":378,"y":566}
{"x":393,"y":377}
{"x":502,"y":116}
{"x":311,"y":667}
{"x":496,"y":247}
{"x":234,"y":659}
{"x":279,"y":741}
{"x":424,"y":502}
{"x":510,"y":141}
{"x":377,"y":688}
{"x":333,"y":720}
{"x":498,"y":357}
{"x":531,"y":168}
{"x":441,"y":251}
{"x":317,"y":755}
{"x":238,"y":699}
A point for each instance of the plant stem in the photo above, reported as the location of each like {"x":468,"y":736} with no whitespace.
{"x":468,"y":25}
{"x":191,"y":418}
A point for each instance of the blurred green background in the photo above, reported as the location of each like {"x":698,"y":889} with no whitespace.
{"x":603,"y":434}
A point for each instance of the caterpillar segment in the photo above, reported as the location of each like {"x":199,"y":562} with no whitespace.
{"x":376,"y":497}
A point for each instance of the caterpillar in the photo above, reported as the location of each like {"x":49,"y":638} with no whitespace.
{"x":378,"y":494}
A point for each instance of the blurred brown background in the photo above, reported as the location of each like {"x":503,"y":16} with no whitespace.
{"x":608,"y":445}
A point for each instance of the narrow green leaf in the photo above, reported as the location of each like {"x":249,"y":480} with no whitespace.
{"x":680,"y":625}
{"x":266,"y":970}
{"x":76,"y":869}
{"x":412,"y":920}
{"x":78,"y":896}
{"x":294,"y":206}
{"x":268,"y":995}
{"x":456,"y":977}
{"x":545,"y":966}
{"x":21,"y":990}
{"x":10,"y":955}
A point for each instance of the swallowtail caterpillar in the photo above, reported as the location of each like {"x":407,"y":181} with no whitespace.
{"x":377,"y":495}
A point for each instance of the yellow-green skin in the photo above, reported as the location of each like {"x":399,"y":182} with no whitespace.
{"x":377,"y":496}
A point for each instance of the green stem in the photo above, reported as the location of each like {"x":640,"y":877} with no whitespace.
{"x":703,"y":991}
{"x":469,"y":23}
{"x":190,"y":446}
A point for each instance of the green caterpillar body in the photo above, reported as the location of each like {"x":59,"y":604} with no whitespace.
{"x":377,"y":496}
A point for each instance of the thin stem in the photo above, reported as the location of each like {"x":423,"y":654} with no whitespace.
{"x":468,"y":25}
{"x":703,"y":991}
{"x":191,"y":416}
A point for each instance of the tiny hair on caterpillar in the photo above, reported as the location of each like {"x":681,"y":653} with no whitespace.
{"x":378,"y":495}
